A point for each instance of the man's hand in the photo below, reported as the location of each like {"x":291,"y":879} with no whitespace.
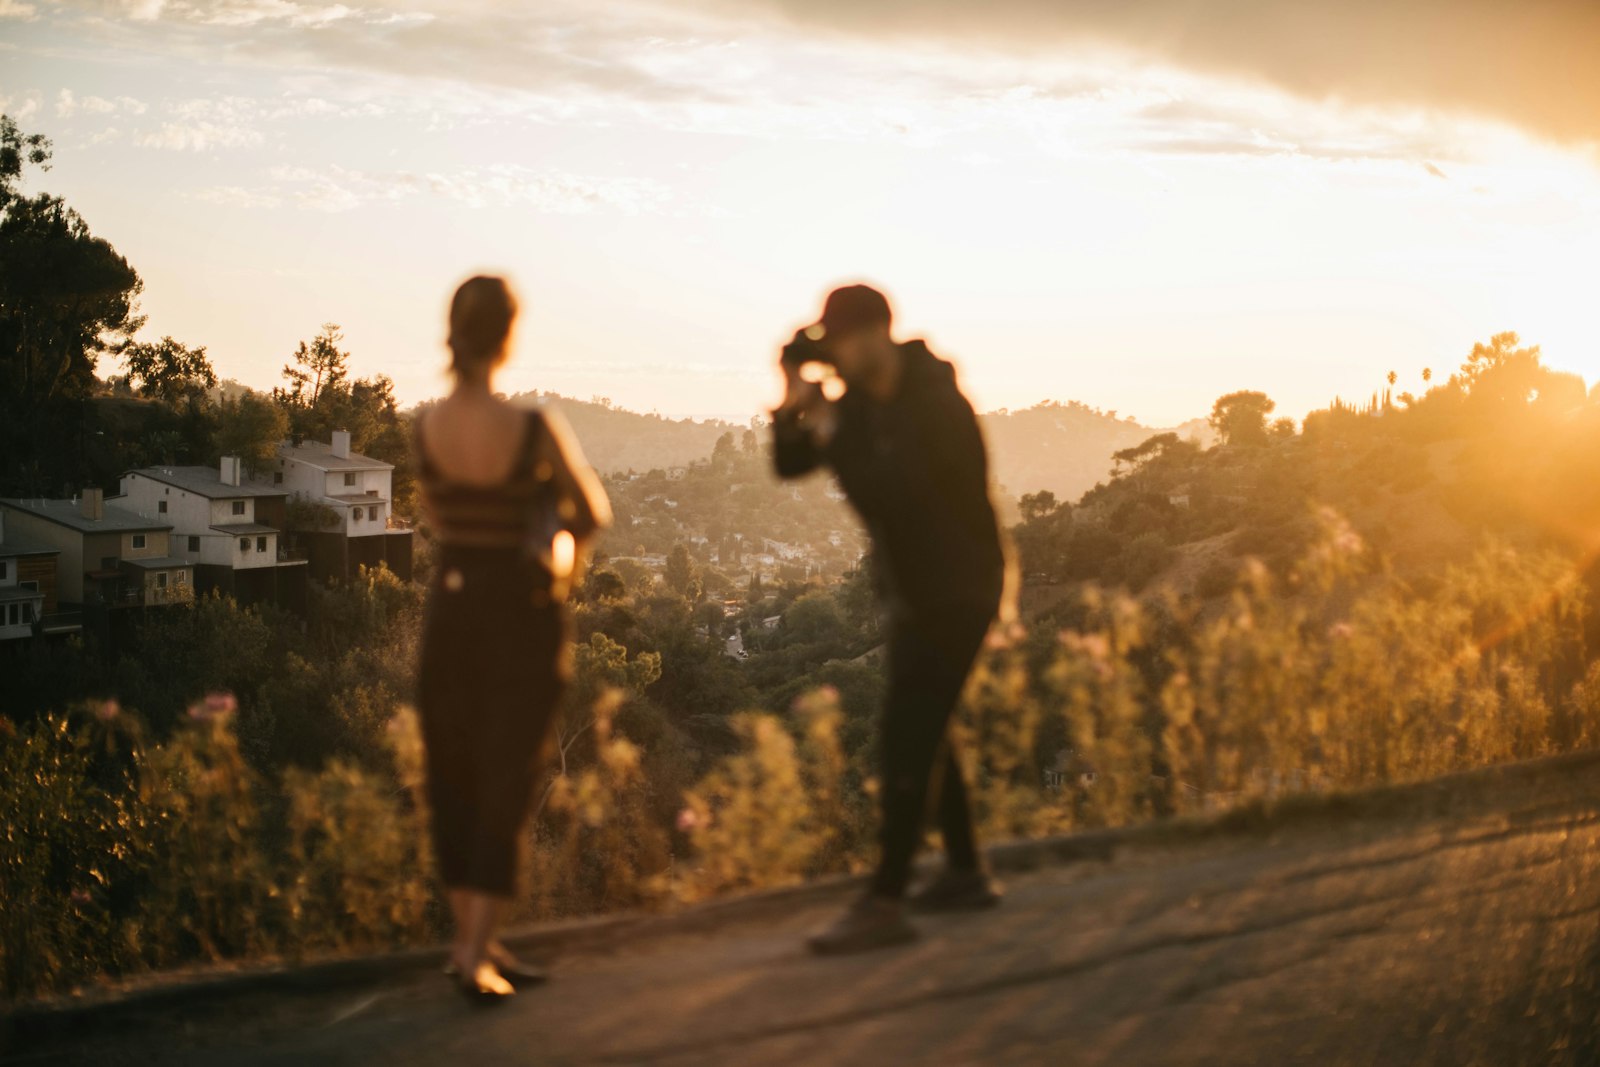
{"x":805,"y":403}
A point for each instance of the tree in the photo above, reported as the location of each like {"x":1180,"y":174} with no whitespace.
{"x":1037,"y":505}
{"x":17,"y":150}
{"x":1500,"y":371}
{"x":1241,"y":418}
{"x":168,"y":370}
{"x":66,"y":296}
{"x":250,"y":427}
{"x":316,"y":367}
{"x":1148,"y":452}
{"x":723,"y":449}
{"x":681,"y":574}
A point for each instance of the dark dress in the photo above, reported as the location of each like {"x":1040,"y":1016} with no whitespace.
{"x":493,"y":665}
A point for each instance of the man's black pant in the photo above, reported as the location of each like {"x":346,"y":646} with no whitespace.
{"x":929,"y":658}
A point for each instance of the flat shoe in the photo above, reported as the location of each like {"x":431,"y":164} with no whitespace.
{"x":518,"y":974}
{"x":522,"y":974}
{"x":475,"y":991}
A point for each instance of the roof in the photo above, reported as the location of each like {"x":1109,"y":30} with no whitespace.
{"x":12,"y":545}
{"x":359,"y":498}
{"x":158,"y":563}
{"x":205,"y":481}
{"x":69,"y":513}
{"x":13,"y":593}
{"x":320,"y":454}
{"x":241,"y":529}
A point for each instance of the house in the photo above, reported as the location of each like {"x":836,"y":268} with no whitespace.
{"x":27,"y":587}
{"x":228,"y":528}
{"x":340,"y":507}
{"x":108,"y":555}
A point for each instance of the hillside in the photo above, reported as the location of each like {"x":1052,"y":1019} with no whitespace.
{"x":616,"y":440}
{"x":1065,"y":447}
{"x":1501,"y":454}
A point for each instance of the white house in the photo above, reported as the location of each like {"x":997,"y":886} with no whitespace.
{"x":224,"y":525}
{"x":108,"y":555}
{"x":341,"y":506}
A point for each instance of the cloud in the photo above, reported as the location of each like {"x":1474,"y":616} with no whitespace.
{"x":337,"y":189}
{"x":1532,"y":65}
{"x":20,"y":108}
{"x":17,"y":9}
{"x":200,"y":137}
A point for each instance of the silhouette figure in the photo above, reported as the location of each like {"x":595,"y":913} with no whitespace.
{"x":906,"y":448}
{"x":513,"y":505}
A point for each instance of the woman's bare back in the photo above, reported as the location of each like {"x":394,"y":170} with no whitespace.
{"x":473,"y":440}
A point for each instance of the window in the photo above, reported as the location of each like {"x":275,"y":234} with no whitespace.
{"x":194,"y":543}
{"x":161,"y":507}
{"x":261,"y":544}
{"x":238,"y":507}
{"x":27,"y":613}
{"x":277,"y":477}
{"x":32,"y":587}
{"x":138,"y":540}
{"x":161,"y":579}
{"x":350,"y":478}
{"x":5,"y":569}
{"x":180,"y":577}
{"x":356,"y":514}
{"x":14,"y":616}
{"x":244,"y":544}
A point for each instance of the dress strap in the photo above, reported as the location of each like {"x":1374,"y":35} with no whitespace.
{"x":533,"y":432}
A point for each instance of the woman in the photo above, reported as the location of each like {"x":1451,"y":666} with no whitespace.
{"x":512,"y":505}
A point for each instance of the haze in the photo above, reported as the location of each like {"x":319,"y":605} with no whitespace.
{"x":1129,"y":207}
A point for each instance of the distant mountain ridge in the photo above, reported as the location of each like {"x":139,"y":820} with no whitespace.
{"x":1064,"y":447}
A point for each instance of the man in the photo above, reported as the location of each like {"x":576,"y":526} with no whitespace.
{"x":907,"y":451}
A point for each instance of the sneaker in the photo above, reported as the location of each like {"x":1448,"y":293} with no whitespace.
{"x":957,"y":891}
{"x":871,"y":922}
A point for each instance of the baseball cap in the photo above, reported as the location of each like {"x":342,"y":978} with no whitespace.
{"x":850,"y":308}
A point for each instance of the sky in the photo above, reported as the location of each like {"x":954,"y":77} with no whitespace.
{"x":1141,"y":206}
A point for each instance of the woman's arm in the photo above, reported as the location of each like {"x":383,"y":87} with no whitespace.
{"x":584,"y":509}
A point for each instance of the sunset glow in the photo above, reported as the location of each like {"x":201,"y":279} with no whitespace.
{"x":674,"y":186}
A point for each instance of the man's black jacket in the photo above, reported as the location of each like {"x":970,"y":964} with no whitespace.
{"x":914,"y":468}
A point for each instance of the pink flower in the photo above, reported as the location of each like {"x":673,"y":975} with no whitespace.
{"x":688,"y":819}
{"x":81,"y":897}
{"x":105,"y":710}
{"x":217,"y":704}
{"x":1340,"y":631}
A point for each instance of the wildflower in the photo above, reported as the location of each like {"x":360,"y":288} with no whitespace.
{"x":105,"y":710}
{"x":217,"y":704}
{"x":80,"y":897}
{"x":1340,"y":631}
{"x":688,"y":820}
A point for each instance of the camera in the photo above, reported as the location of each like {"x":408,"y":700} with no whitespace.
{"x":806,"y":347}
